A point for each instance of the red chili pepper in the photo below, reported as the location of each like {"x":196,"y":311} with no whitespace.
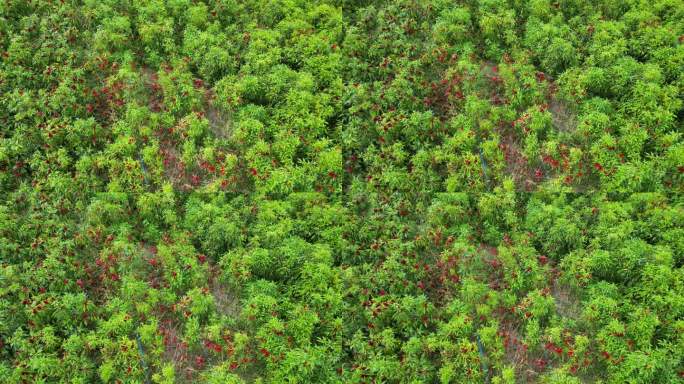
{"x":538,"y":174}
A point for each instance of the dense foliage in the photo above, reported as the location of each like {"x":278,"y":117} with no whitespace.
{"x":341,"y":191}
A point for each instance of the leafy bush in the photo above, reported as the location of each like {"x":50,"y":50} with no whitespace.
{"x":331,"y":191}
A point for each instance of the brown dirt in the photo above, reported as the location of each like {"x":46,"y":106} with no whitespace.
{"x":220,"y":122}
{"x":226,"y":299}
{"x":564,"y":120}
{"x":567,"y":304}
{"x":517,"y":164}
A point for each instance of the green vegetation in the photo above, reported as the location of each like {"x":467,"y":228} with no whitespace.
{"x":341,"y":191}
